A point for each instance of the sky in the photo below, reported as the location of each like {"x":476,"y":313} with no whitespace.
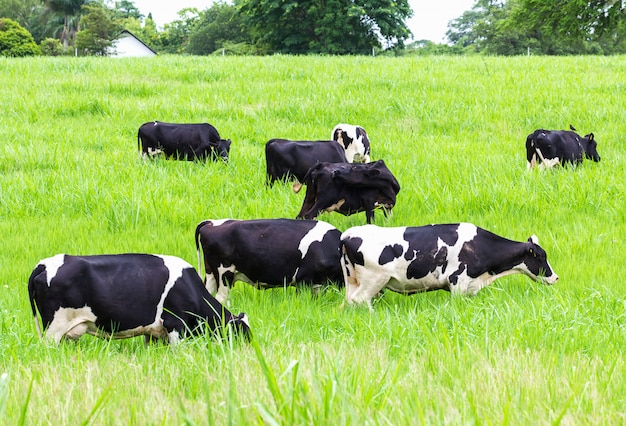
{"x":429,"y":22}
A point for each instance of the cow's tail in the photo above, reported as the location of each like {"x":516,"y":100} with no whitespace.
{"x":139,"y":142}
{"x":347,"y":269}
{"x":32,"y":293}
{"x":270,"y":164}
{"x":198,"y":251}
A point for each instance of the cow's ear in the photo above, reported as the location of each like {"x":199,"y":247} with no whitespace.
{"x":533,"y":239}
{"x":590,"y":137}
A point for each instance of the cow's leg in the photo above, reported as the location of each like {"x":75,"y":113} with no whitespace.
{"x":222,"y":295}
{"x":363,"y":289}
{"x":369,"y":215}
{"x":173,"y":338}
{"x":226,"y":278}
{"x":211,"y":283}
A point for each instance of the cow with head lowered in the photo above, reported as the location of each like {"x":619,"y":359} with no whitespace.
{"x":349,"y":188}
{"x":547,"y":148}
{"x":125,"y":295}
{"x":288,"y":159}
{"x":197,"y":141}
{"x":268,"y":253}
{"x":354,"y":140}
{"x":460,"y":258}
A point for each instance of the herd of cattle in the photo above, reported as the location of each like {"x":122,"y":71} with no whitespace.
{"x":164,"y":297}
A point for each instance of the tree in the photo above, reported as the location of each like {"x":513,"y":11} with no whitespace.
{"x":219,"y":25}
{"x":26,"y":13}
{"x":477,"y":29}
{"x":15,"y":40}
{"x":69,"y":11}
{"x":567,"y":27}
{"x":127,"y":9}
{"x":550,"y":27}
{"x":327,"y":26}
{"x":175,"y":35}
{"x":99,"y":30}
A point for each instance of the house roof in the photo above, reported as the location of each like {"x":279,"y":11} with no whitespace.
{"x":136,"y":38}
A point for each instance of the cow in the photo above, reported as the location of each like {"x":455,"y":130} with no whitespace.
{"x":125,"y":295}
{"x":460,"y":258}
{"x":354,"y":140}
{"x":268,"y":253}
{"x":182,"y":141}
{"x":349,"y":188}
{"x":551,"y":147}
{"x":288,"y":159}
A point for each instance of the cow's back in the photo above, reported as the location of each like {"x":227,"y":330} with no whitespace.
{"x":287,"y":157}
{"x":272,"y":252}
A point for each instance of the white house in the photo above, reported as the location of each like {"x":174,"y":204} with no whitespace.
{"x":127,"y":44}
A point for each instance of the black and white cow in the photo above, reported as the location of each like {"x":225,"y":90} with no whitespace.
{"x":355,"y":142}
{"x":268,"y":253}
{"x":288,"y":159}
{"x":182,"y":141}
{"x":551,"y":147}
{"x":349,"y":188}
{"x":460,"y":258}
{"x":125,"y":295}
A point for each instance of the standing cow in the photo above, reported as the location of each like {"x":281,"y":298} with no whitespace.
{"x":268,"y":253}
{"x":349,"y":188}
{"x":551,"y":147}
{"x":354,"y":140}
{"x":182,"y":141}
{"x":286,"y":159}
{"x":460,"y":258}
{"x":125,"y":295}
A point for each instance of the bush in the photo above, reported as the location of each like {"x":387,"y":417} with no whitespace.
{"x":238,"y":49}
{"x":15,"y":40}
{"x":51,"y":47}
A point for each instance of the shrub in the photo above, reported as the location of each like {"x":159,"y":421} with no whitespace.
{"x":51,"y":47}
{"x":15,"y":40}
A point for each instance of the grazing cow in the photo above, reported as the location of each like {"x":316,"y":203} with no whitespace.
{"x":348,"y":189}
{"x":551,"y":147}
{"x":182,"y":141}
{"x":354,"y":140}
{"x":286,"y":158}
{"x":125,"y":295}
{"x":268,"y":253}
{"x":460,"y":258}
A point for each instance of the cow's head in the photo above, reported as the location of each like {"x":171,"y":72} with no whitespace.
{"x":223,"y":148}
{"x":591,"y":148}
{"x":536,"y":262}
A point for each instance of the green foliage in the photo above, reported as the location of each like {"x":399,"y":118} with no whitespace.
{"x":175,"y":35}
{"x":15,"y":40}
{"x":427,"y":47}
{"x":217,"y":26}
{"x":99,"y":30}
{"x":27,"y":13}
{"x":68,"y":14}
{"x":126,"y":9}
{"x":333,"y":27}
{"x":240,"y":49}
{"x":516,"y":27}
{"x":51,"y":47}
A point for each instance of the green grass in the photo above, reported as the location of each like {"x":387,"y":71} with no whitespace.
{"x":451,"y":129}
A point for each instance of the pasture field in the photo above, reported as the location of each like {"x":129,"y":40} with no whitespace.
{"x":451,"y":129}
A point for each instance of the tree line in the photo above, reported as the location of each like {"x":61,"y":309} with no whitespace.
{"x":337,"y":27}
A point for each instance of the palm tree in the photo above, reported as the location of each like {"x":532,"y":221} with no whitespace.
{"x":69,"y":11}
